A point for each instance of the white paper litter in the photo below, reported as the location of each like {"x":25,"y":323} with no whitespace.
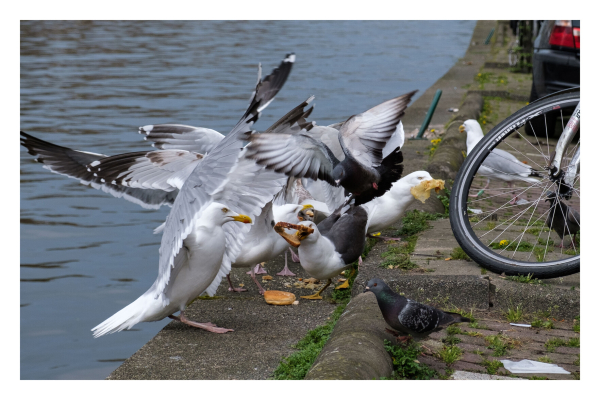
{"x":475,"y":210}
{"x":531,"y":367}
{"x":521,"y":325}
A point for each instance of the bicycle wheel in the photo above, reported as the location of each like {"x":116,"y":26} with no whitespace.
{"x":503,"y":225}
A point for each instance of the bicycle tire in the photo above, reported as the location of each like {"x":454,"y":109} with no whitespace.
{"x":459,"y":215}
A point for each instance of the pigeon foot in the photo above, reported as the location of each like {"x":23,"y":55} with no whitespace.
{"x":207,"y":326}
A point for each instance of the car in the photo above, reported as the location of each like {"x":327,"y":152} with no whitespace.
{"x":556,"y":54}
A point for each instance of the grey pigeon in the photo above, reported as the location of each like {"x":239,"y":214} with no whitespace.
{"x":362,"y":139}
{"x":564,"y":220}
{"x":408,"y":316}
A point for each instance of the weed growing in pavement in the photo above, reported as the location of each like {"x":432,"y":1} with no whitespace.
{"x":492,"y":366}
{"x":525,"y":279}
{"x":514,"y":314}
{"x":501,"y":344}
{"x":451,"y":340}
{"x":538,"y":378}
{"x":576,"y":362}
{"x":398,"y":256}
{"x":444,"y":197}
{"x":515,"y":245}
{"x":415,"y":221}
{"x":490,"y":226}
{"x":297,"y":365}
{"x":435,"y":143}
{"x":545,"y":359}
{"x":453,"y":330}
{"x":552,"y":344}
{"x":459,"y":254}
{"x":449,"y":354}
{"x":473,"y":334}
{"x":576,"y":326}
{"x":406,"y":365}
{"x":538,"y":323}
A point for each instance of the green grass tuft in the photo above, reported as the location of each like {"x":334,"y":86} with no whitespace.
{"x":297,"y":365}
{"x":576,"y":326}
{"x":450,"y":354}
{"x":514,"y":314}
{"x":459,"y":254}
{"x":406,"y":365}
{"x":501,"y":344}
{"x":492,"y":366}
{"x":545,"y":359}
{"x":552,"y":344}
{"x":538,"y":323}
{"x":525,"y":279}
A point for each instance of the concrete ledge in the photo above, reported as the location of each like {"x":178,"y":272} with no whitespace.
{"x":463,"y":291}
{"x":449,"y":156}
{"x":534,"y":298}
{"x":355,"y":349}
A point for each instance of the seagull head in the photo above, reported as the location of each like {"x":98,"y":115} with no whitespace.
{"x":306,"y":213}
{"x":375,"y":285}
{"x":219,"y":214}
{"x":474,"y":133}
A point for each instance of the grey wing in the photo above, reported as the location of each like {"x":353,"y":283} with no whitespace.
{"x":161,"y":169}
{"x":348,"y":233}
{"x":503,"y":162}
{"x":419,"y":318}
{"x":298,"y":155}
{"x":73,"y":164}
{"x":363,"y":136}
{"x":182,"y":137}
{"x":210,"y":173}
{"x":294,"y":120}
{"x":329,"y":136}
{"x":397,"y":140}
{"x":248,"y":188}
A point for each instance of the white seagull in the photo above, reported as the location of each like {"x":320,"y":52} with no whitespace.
{"x":499,"y":165}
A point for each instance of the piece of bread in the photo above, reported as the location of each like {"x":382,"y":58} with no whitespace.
{"x":279,"y":298}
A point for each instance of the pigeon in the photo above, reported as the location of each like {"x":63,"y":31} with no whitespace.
{"x":562,"y":219}
{"x":362,"y":138}
{"x":408,"y":316}
{"x":499,"y":165}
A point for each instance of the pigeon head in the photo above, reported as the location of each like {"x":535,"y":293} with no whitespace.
{"x":375,"y":285}
{"x":339,"y":175}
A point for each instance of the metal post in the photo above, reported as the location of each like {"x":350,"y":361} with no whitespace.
{"x":427,"y":120}
{"x":489,"y":37}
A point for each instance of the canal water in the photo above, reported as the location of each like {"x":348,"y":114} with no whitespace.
{"x":89,"y":85}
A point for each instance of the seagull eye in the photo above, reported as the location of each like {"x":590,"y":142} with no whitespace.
{"x":420,"y":178}
{"x":225,"y":210}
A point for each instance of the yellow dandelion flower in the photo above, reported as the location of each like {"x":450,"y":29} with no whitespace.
{"x":479,"y":74}
{"x":503,"y":242}
{"x":501,"y":81}
{"x":484,"y":122}
{"x":377,"y":234}
{"x":433,"y":130}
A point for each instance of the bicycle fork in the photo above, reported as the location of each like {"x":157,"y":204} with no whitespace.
{"x":566,"y":179}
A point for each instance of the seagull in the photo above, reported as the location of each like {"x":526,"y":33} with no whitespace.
{"x":499,"y":165}
{"x":151,"y":179}
{"x":362,"y":138}
{"x":262,"y":243}
{"x":408,"y":316}
{"x":562,"y":219}
{"x":198,"y":246}
{"x":327,"y":248}
{"x":389,"y":208}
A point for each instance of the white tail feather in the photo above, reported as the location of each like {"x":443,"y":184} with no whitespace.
{"x":126,"y":318}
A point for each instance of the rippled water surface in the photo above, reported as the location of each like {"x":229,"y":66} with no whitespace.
{"x":89,"y":85}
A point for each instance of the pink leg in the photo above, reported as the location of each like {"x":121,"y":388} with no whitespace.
{"x":207,"y":326}
{"x":234,"y":289}
{"x":561,"y":245}
{"x":481,"y":191}
{"x":286,"y":271}
{"x":514,"y":199}
{"x":258,"y":270}
{"x":360,"y":261}
{"x":295,"y":257}
{"x":260,"y":288}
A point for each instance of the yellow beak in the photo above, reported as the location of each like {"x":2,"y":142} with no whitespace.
{"x":306,"y":206}
{"x":243,"y":218}
{"x":461,"y":128}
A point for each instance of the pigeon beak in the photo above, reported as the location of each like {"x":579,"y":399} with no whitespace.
{"x":366,"y":289}
{"x":337,"y":182}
